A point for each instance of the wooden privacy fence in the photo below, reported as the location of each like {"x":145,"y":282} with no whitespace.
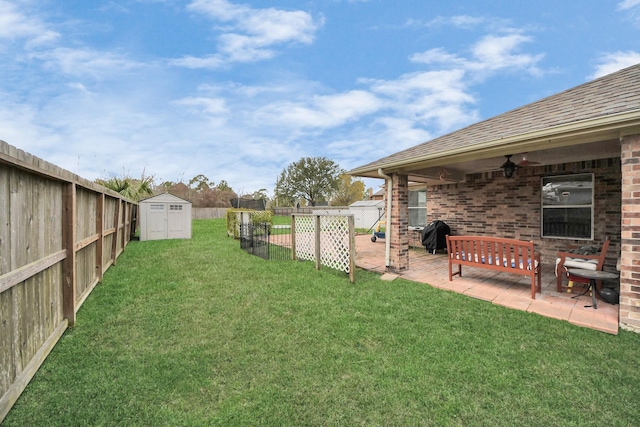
{"x":58,"y":234}
{"x":208,"y":213}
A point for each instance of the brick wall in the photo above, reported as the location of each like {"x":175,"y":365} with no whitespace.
{"x":630,"y":261}
{"x":490,"y":204}
{"x":399,"y":242}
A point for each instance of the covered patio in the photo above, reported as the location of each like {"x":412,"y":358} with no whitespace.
{"x":508,"y":290}
{"x":574,"y":181}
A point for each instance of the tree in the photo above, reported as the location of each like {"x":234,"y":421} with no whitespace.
{"x":311,"y":178}
{"x":223,"y":186}
{"x":131,"y":188}
{"x":259,"y":195}
{"x":349,"y":191}
{"x":200,"y":183}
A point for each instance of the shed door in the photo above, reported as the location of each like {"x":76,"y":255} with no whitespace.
{"x":157,"y":221}
{"x":176,"y":222}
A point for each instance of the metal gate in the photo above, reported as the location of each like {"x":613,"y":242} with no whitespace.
{"x":260,"y":240}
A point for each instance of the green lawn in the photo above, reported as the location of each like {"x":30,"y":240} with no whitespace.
{"x":281,"y":220}
{"x":197,"y":332}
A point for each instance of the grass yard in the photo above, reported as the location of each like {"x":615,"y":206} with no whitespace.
{"x":197,"y":332}
{"x":281,"y":220}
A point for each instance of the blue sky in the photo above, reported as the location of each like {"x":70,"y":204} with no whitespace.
{"x":238,"y":90}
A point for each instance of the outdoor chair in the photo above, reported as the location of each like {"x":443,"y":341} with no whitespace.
{"x":586,"y":257}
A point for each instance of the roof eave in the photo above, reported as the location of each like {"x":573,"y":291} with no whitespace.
{"x":591,"y":130}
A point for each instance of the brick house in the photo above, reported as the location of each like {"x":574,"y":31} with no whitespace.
{"x":576,"y":157}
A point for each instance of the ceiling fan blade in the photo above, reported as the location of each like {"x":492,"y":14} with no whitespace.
{"x":524,"y":162}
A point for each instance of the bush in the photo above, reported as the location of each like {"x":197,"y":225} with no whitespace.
{"x":257,"y":217}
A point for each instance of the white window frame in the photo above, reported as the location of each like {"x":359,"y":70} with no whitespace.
{"x":422,"y":215}
{"x":552,"y":199}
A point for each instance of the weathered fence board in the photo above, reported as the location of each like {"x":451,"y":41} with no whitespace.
{"x":58,"y":234}
{"x":208,"y":213}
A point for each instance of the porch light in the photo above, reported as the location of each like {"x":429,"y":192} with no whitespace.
{"x":508,"y":167}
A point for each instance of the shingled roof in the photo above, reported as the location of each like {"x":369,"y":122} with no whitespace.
{"x":611,"y":95}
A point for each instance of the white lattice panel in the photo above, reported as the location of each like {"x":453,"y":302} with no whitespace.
{"x":305,"y":238}
{"x":334,"y":242}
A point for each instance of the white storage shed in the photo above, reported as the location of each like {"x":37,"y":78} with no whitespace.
{"x":366,"y":212}
{"x":165,"y":216}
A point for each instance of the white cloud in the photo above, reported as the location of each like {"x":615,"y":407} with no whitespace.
{"x":208,"y":61}
{"x":628,"y":4}
{"x":14,"y":24}
{"x":466,"y":21}
{"x":376,"y":139}
{"x":463,"y":22}
{"x":612,"y":62}
{"x":431,"y":98}
{"x":86,"y":62}
{"x":441,"y":99}
{"x":322,"y":111}
{"x":210,"y":106}
{"x":250,"y":34}
{"x":499,"y":52}
{"x":489,"y":54}
{"x":436,"y":55}
{"x":212,"y":109}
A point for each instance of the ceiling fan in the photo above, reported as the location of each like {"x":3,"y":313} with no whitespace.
{"x":509,"y":167}
{"x":525,"y":162}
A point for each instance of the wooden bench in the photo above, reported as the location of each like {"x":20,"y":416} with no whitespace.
{"x":495,"y":253}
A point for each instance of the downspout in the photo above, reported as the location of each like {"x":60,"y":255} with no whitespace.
{"x":387,"y":230}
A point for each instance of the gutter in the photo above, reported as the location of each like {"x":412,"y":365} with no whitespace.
{"x":387,"y":230}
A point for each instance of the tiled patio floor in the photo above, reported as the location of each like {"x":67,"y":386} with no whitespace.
{"x":504,"y":289}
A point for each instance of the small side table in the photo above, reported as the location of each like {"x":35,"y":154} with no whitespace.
{"x":593,"y":276}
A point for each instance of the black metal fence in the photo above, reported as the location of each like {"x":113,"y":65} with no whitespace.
{"x":266,"y":241}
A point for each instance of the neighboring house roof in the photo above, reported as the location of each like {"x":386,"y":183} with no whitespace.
{"x":608,"y":103}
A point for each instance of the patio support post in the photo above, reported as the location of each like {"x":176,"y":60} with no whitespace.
{"x":387,"y":218}
{"x":630,"y":235}
{"x":399,"y":225}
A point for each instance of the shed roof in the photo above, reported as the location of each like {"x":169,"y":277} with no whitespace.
{"x":367,"y":203}
{"x":164,"y":198}
{"x":615,"y":96}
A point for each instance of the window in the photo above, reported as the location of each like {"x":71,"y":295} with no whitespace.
{"x":175,"y":207}
{"x":157,"y":207}
{"x":418,"y":208}
{"x":567,"y":206}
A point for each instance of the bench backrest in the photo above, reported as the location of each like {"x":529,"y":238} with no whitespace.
{"x":483,"y":249}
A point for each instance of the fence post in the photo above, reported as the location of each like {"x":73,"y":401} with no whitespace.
{"x":352,"y":249}
{"x":69,"y":222}
{"x":114,"y":241}
{"x":293,"y":237}
{"x":318,"y":247}
{"x":100,"y":232}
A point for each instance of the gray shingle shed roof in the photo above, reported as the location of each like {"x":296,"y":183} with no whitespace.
{"x":610,"y":95}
